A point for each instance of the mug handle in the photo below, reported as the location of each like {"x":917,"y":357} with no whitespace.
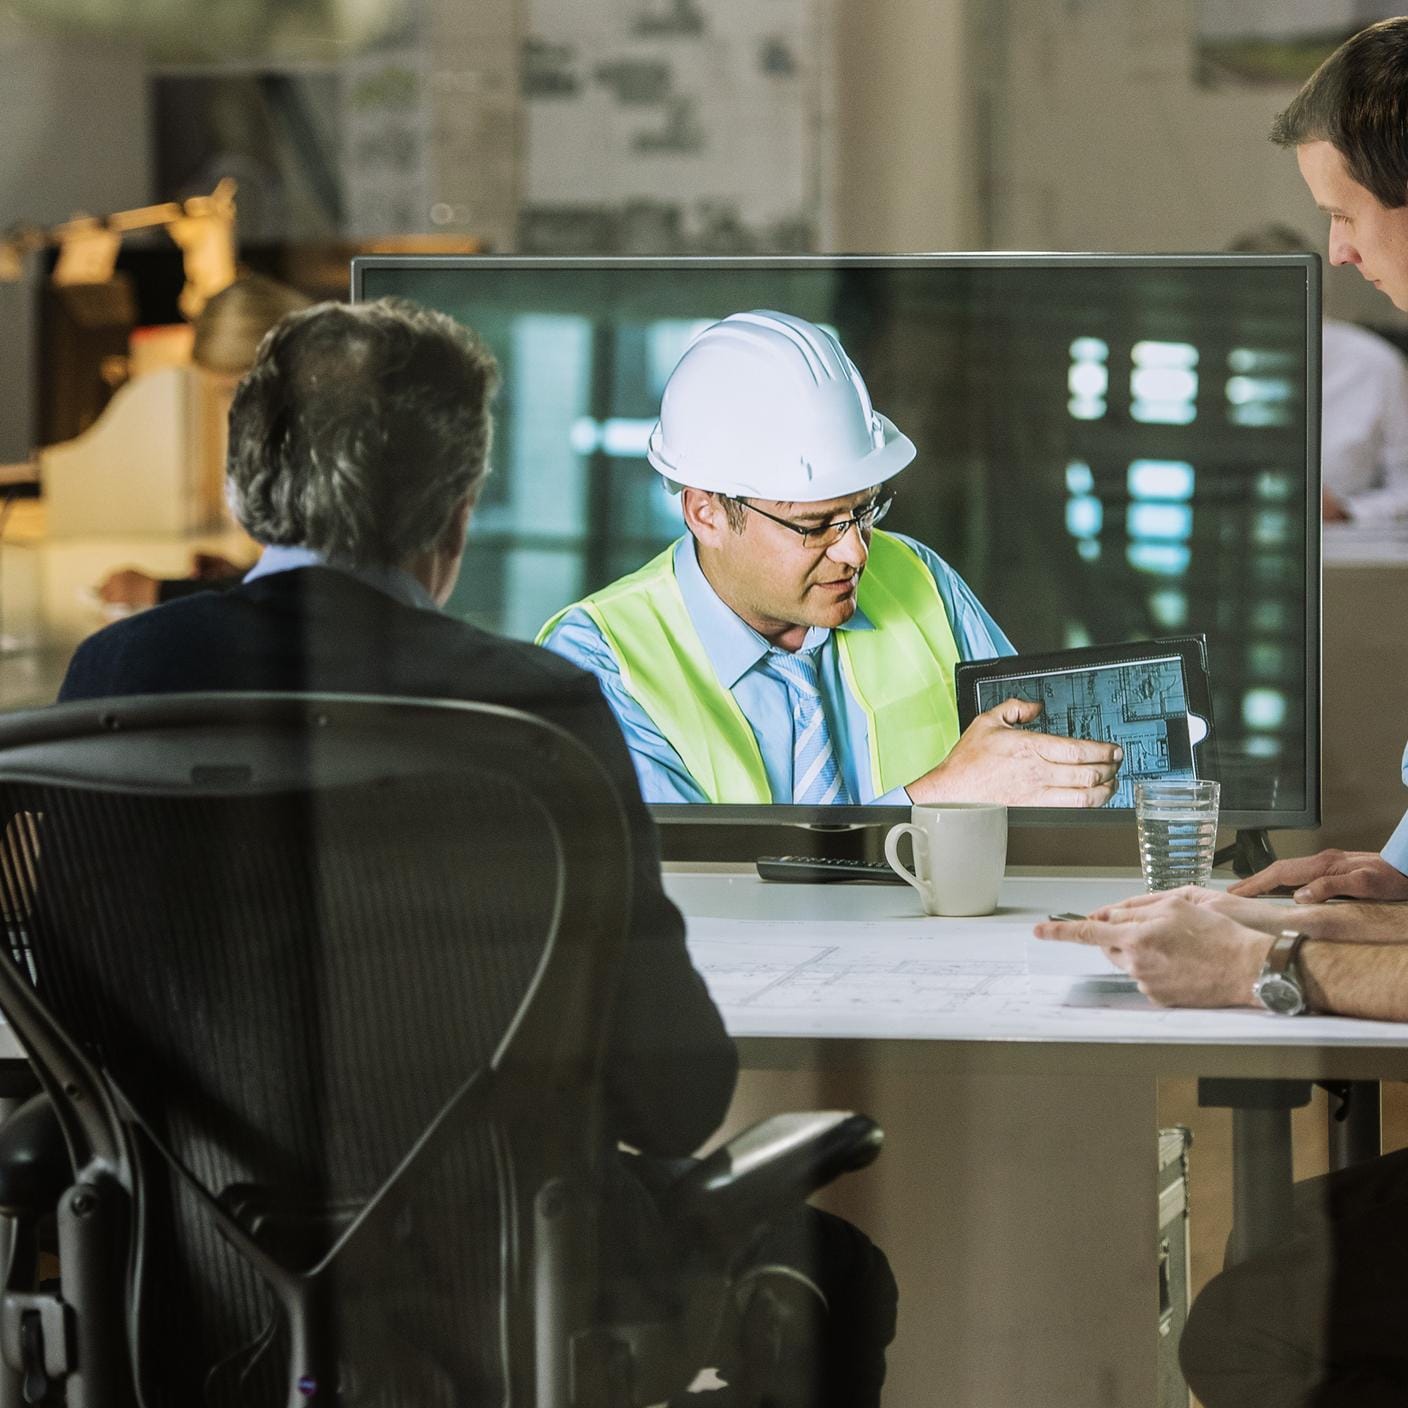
{"x":892,"y":851}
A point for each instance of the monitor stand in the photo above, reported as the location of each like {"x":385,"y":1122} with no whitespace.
{"x":1249,"y":852}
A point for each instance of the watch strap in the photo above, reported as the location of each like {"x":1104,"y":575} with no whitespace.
{"x":1282,"y":965}
{"x":1284,"y":958}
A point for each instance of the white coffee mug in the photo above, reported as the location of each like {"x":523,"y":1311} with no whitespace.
{"x":960,"y":853}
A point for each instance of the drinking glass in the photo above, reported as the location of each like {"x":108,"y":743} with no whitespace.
{"x":1177,"y":820}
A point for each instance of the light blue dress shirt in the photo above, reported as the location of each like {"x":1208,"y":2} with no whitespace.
{"x":396,"y":583}
{"x":739,"y":657}
{"x":1395,"y":852}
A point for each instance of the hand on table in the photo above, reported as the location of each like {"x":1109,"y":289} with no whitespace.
{"x":128,"y":588}
{"x":995,"y":760}
{"x":1335,"y":923}
{"x":1254,"y":914}
{"x":1179,"y":947}
{"x":1360,"y":875}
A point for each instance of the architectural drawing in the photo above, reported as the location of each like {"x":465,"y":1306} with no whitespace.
{"x":956,"y":980}
{"x":1142,"y":707}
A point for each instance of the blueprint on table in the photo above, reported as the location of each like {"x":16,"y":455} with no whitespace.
{"x":795,"y":977}
{"x":1142,"y":706}
{"x":786,"y":977}
{"x":943,"y":979}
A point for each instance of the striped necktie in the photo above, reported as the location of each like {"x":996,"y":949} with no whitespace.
{"x":816,"y":778}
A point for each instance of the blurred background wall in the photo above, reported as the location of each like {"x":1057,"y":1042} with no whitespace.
{"x":916,"y":121}
{"x":647,"y":126}
{"x":557,"y":126}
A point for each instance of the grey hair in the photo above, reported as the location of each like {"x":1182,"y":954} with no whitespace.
{"x":359,"y":429}
{"x":735,"y":511}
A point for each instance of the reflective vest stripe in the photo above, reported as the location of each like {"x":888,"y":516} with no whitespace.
{"x":666,"y":670}
{"x":901,"y":673}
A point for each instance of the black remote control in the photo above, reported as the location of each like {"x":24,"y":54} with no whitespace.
{"x":812,"y":870}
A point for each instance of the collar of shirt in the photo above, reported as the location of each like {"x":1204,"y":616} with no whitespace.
{"x":732,"y":645}
{"x":392,"y":581}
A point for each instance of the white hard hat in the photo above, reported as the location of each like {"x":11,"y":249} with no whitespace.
{"x":765,"y":405}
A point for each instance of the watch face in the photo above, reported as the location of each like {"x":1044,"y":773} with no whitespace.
{"x":1280,"y":995}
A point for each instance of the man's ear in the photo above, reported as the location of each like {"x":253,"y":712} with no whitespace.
{"x":704,"y":516}
{"x":457,"y":525}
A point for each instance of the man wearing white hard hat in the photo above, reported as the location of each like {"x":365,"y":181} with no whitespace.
{"x":783,"y":649}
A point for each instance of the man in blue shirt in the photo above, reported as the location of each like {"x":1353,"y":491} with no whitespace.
{"x":783,"y":649}
{"x":1352,"y":156}
{"x":1318,"y":1318}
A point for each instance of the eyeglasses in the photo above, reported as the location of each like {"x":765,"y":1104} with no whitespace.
{"x":825,"y":534}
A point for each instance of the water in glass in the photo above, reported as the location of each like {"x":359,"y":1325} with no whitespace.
{"x":1177,"y":822}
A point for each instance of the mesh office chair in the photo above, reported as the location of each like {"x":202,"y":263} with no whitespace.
{"x":318,"y":989}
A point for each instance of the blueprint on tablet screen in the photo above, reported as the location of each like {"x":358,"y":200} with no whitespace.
{"x":1143,"y":707}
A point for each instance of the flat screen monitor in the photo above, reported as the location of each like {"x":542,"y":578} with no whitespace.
{"x":1110,"y":448}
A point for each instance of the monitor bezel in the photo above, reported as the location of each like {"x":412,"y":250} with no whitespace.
{"x":783,"y":814}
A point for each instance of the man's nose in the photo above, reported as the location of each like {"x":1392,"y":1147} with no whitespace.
{"x":1342,"y":251}
{"x":851,"y":548}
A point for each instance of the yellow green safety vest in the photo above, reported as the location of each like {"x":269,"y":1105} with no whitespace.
{"x":901,"y":673}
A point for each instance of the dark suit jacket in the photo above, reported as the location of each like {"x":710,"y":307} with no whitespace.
{"x":671,"y":1065}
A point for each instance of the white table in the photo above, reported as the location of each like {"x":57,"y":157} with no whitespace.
{"x":1016,"y":1195}
{"x":803,"y":971}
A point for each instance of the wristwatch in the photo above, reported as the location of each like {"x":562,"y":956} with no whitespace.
{"x":1279,"y":987}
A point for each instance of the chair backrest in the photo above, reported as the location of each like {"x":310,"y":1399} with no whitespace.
{"x":292,"y":940}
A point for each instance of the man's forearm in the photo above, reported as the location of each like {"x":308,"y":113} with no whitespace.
{"x":1357,"y":979}
{"x":1362,"y":922}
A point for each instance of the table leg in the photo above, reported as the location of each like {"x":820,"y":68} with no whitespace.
{"x":1261,"y":1157}
{"x":1356,"y":1131}
{"x":1261,"y":1181}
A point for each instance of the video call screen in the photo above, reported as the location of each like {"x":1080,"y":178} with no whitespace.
{"x":1112,"y":448}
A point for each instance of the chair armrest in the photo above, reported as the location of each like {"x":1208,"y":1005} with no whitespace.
{"x":34,"y":1160}
{"x":771,"y":1167}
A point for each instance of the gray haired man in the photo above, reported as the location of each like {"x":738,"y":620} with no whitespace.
{"x":358,"y":443}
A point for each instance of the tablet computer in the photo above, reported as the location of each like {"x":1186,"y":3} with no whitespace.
{"x":1150,"y":697}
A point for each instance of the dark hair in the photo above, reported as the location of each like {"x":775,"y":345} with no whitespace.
{"x":1357,"y":100}
{"x":358,"y":430}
